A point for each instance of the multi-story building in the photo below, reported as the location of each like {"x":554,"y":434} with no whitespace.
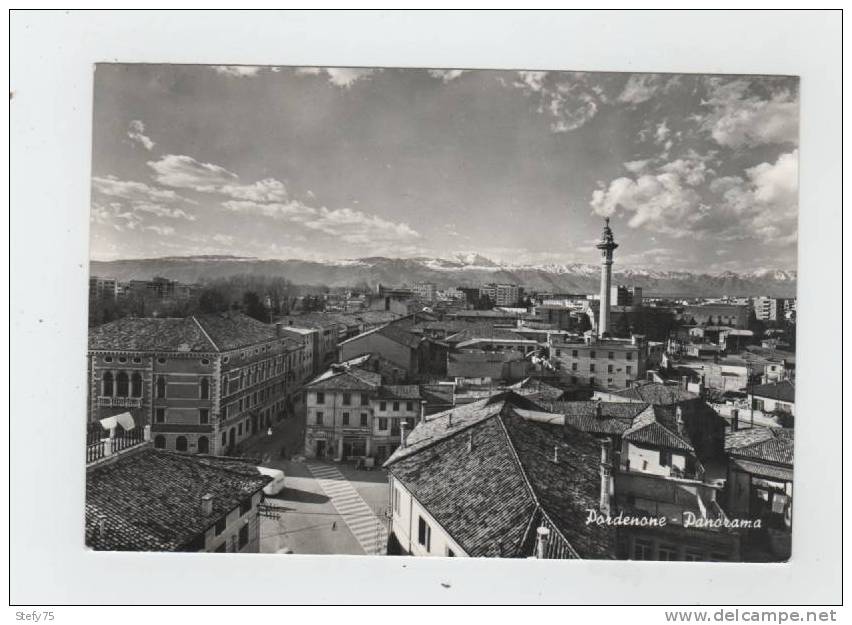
{"x":769,"y":308}
{"x":145,"y":499}
{"x":327,"y":336}
{"x":203,"y":383}
{"x":626,"y":296}
{"x":732,"y":315}
{"x":502,"y":294}
{"x":102,"y":288}
{"x":599,"y":363}
{"x":427,"y":291}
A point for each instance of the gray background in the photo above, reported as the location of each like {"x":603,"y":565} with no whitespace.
{"x":51,"y":76}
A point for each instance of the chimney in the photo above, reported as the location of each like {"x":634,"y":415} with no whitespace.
{"x":422,"y":410}
{"x":207,"y":504}
{"x":556,"y":454}
{"x":402,"y":437}
{"x":289,"y":322}
{"x":450,"y":420}
{"x":469,"y":441}
{"x":278,"y":328}
{"x":542,"y":536}
{"x":735,"y":419}
{"x":598,"y":409}
{"x":606,"y":476}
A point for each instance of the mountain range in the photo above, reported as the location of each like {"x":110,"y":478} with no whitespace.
{"x":466,"y":269}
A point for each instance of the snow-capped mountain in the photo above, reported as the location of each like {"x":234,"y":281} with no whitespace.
{"x":464,"y":269}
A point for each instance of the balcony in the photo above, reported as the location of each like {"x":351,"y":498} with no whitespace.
{"x":120,"y":402}
{"x":99,"y":449}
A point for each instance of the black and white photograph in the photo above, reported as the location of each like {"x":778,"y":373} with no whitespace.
{"x":403,"y":307}
{"x":442,"y":312}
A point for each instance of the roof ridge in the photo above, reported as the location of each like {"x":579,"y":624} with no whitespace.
{"x":204,"y":332}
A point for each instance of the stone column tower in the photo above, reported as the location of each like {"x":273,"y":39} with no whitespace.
{"x":606,"y":245}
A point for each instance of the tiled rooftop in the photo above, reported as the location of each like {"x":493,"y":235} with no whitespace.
{"x":487,"y":474}
{"x":783,"y":391}
{"x":151,"y":500}
{"x":774,"y":445}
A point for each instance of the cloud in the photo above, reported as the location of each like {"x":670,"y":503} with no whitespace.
{"x":132,"y":191}
{"x":161,"y":230}
{"x":353,"y":226}
{"x":640,"y":88}
{"x":163,"y":211}
{"x":740,"y":117}
{"x":635,"y":167}
{"x":676,"y":200}
{"x":339,"y":76}
{"x":184,"y":172}
{"x":266,"y":190}
{"x":446,"y":75}
{"x":290,"y":210}
{"x":136,"y":132}
{"x":236,"y":71}
{"x":569,"y":99}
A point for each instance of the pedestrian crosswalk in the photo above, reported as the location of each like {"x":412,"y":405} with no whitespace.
{"x":369,"y":530}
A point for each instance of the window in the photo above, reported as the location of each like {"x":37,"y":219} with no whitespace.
{"x":107,"y":384}
{"x":345,"y":418}
{"x":365,"y":399}
{"x":220,"y":526}
{"x":320,"y":397}
{"x":363,"y":419}
{"x":136,"y":385}
{"x":611,"y":355}
{"x":592,"y":367}
{"x":409,"y":406}
{"x":665,"y":458}
{"x":642,"y":550}
{"x":383,"y":405}
{"x":160,"y":415}
{"x":591,"y":380}
{"x":383,"y":424}
{"x":239,"y":429}
{"x":203,"y":445}
{"x":162,"y":361}
{"x":609,"y":368}
{"x":319,"y":418}
{"x":667,"y":552}
{"x":107,"y":358}
{"x":244,"y":536}
{"x":180,"y":443}
{"x":396,"y":406}
{"x":160,"y":441}
{"x":558,"y":353}
{"x":137,"y":360}
{"x":205,"y":388}
{"x":424,"y":533}
{"x":122,"y":385}
{"x":203,"y":416}
{"x":592,"y":354}
{"x":347,"y":399}
{"x":629,"y":355}
{"x":205,"y":361}
{"x":629,"y":370}
{"x":122,"y":359}
{"x":573,"y":366}
{"x":573,"y":353}
{"x":161,"y":387}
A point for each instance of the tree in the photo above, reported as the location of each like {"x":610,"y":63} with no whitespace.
{"x":622,"y":326}
{"x":212,"y":300}
{"x":253,"y":307}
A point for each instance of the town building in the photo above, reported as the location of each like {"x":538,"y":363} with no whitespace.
{"x":626,"y":296}
{"x":102,"y":288}
{"x":599,"y":363}
{"x":502,"y":294}
{"x":733,"y":315}
{"x":774,"y":397}
{"x":496,"y":478}
{"x":426,"y":291}
{"x":203,"y":383}
{"x":146,"y":499}
{"x":769,"y":308}
{"x":760,"y":486}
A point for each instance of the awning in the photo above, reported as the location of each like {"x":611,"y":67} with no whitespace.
{"x":125,"y":420}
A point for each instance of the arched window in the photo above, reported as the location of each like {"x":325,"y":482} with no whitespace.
{"x":122,"y":383}
{"x":224,"y":438}
{"x":107,"y":384}
{"x":136,"y":385}
{"x":205,"y":388}
{"x":161,"y":387}
{"x":160,"y":441}
{"x":203,"y":445}
{"x":180,"y":443}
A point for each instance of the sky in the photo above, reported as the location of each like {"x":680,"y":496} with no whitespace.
{"x":696,"y":172}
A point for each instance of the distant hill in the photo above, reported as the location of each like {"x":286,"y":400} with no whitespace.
{"x":463,"y":270}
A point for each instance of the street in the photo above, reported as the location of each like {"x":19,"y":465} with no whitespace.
{"x":324,"y":508}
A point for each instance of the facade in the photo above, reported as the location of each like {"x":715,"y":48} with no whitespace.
{"x":154,"y":500}
{"x":426,"y":291}
{"x":203,"y":383}
{"x":626,"y":296}
{"x":774,"y":397}
{"x":733,"y":315}
{"x":502,"y":294}
{"x":607,"y":363}
{"x":102,"y":288}
{"x":769,"y":308}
